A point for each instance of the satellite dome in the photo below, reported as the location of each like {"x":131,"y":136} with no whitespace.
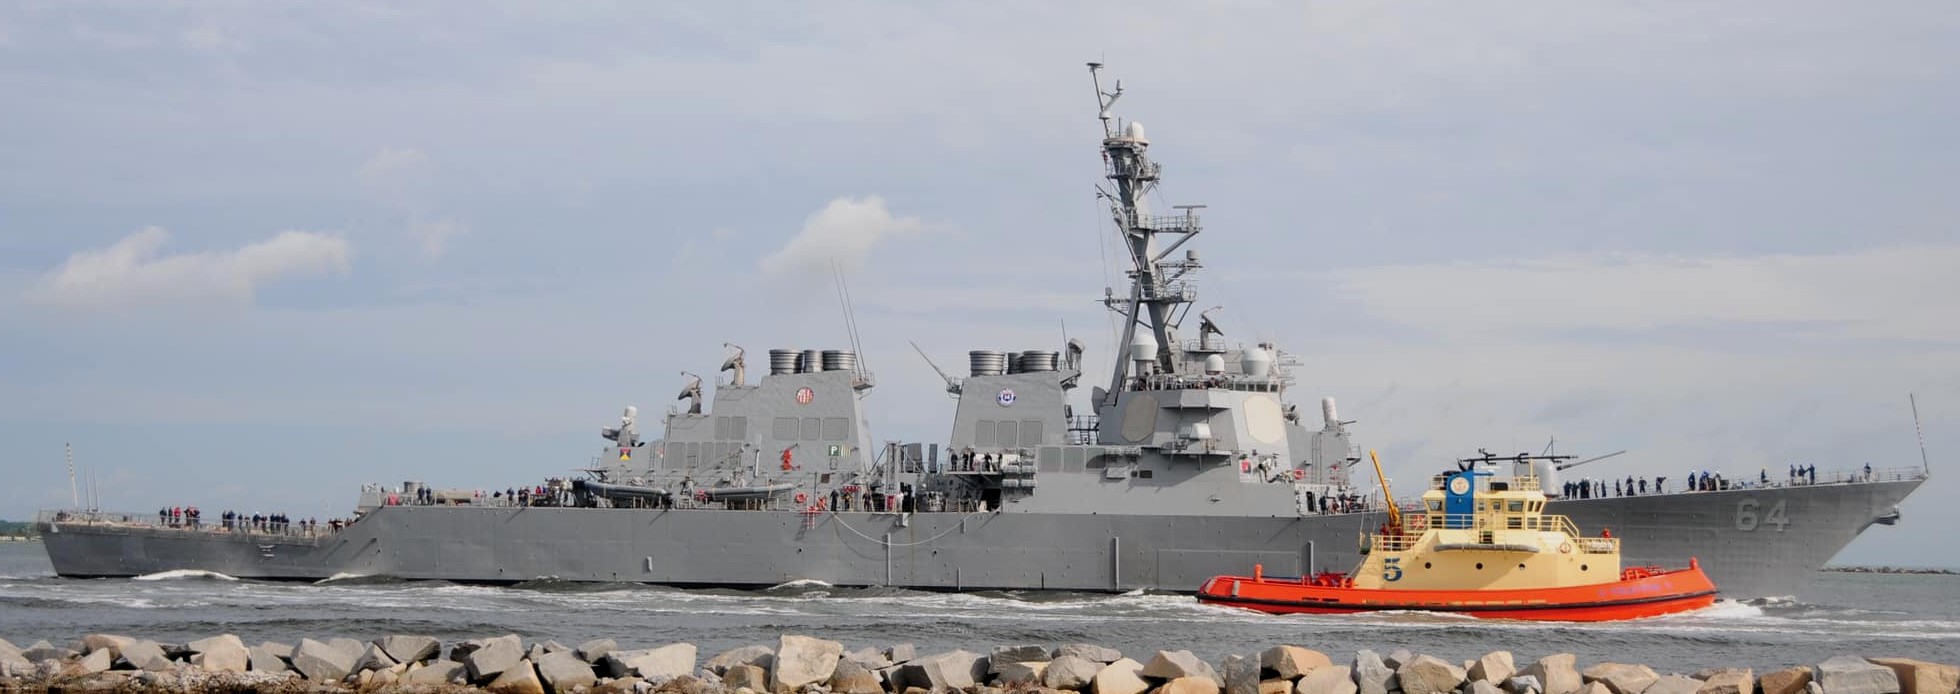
{"x":1135,"y":132}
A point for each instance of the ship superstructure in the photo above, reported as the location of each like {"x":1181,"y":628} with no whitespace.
{"x":1188,"y":462}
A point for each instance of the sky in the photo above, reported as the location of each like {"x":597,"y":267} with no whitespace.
{"x":254,"y":255}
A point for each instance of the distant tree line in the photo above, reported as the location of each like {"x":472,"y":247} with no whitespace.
{"x":18,"y":529}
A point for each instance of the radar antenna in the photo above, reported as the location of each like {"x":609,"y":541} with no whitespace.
{"x":692,"y":393}
{"x":735,"y":363}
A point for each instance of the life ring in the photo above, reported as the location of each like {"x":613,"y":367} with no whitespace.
{"x":1564,"y":548}
{"x":802,"y":498}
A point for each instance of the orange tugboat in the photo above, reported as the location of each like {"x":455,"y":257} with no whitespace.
{"x":1482,"y":547}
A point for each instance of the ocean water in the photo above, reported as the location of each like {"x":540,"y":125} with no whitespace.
{"x":1915,"y":616}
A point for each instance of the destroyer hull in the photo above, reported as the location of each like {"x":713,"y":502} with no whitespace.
{"x":1752,"y":543}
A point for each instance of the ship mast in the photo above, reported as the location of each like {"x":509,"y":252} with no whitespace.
{"x":1157,"y":288}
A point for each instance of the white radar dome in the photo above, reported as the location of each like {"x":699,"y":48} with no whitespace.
{"x":1135,"y":132}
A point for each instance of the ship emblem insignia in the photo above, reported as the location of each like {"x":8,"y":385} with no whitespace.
{"x":1006,"y":397}
{"x":805,"y":395}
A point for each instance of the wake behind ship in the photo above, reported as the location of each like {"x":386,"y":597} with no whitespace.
{"x":1190,"y":462}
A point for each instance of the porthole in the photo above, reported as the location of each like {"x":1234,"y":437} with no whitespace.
{"x":1520,"y":567}
{"x":1425,"y":565}
{"x":1582,"y":567}
{"x":1480,"y":566}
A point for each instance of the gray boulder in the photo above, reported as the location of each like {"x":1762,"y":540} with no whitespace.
{"x":1674,"y":684}
{"x":269,"y":657}
{"x":1482,"y":687}
{"x":493,"y":657}
{"x":323,"y":662}
{"x":853,"y":678}
{"x":1921,"y":677}
{"x":1428,"y":674}
{"x":1728,"y":681}
{"x":1331,"y":679}
{"x":1372,"y":676}
{"x":221,"y":654}
{"x":869,"y":658}
{"x":1123,"y":676}
{"x":1240,"y":674}
{"x":1398,"y":658}
{"x":592,"y":651}
{"x":96,"y":662}
{"x":940,"y":671}
{"x":435,"y":673}
{"x":1557,"y":673}
{"x":1003,"y":655}
{"x":1169,"y":665}
{"x":1526,"y":684}
{"x":663,"y":663}
{"x":802,"y":660}
{"x":1289,"y":662}
{"x":759,"y":656}
{"x":1023,"y":673}
{"x":1853,"y":675}
{"x":1090,"y":652}
{"x":1493,"y":667}
{"x":743,"y":676}
{"x":410,"y":649}
{"x":373,"y":658}
{"x":147,"y":656}
{"x":90,"y":644}
{"x":42,"y":650}
{"x":521,"y":678}
{"x":1622,"y":678}
{"x":902,"y":652}
{"x":1073,"y":673}
{"x":563,"y":670}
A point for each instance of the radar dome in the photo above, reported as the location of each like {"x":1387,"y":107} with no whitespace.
{"x":1214,"y":364}
{"x":1135,"y":132}
{"x":1143,"y":348}
{"x":1257,"y":363}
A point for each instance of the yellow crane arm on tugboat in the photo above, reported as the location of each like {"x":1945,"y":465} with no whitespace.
{"x":1394,"y":514}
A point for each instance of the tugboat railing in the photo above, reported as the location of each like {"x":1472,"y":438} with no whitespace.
{"x":1482,"y":525}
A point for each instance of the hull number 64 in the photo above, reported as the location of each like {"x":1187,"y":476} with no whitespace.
{"x":1746,"y":517}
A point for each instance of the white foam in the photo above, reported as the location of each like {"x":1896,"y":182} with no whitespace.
{"x":802,"y":583}
{"x":340,"y":577}
{"x":183,"y":573}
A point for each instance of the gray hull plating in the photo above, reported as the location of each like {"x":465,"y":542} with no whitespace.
{"x":1746,"y":543}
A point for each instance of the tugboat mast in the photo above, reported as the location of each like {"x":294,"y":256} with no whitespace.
{"x":1157,"y":287}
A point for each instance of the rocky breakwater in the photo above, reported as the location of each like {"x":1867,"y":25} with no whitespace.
{"x":807,"y":665}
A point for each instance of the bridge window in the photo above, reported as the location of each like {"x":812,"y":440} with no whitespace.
{"x":1009,"y":434}
{"x":784,"y":429}
{"x":738,"y":428}
{"x":1516,"y":506}
{"x":836,"y":428}
{"x":983,"y":433}
{"x":812,"y":428}
{"x":1030,"y":432}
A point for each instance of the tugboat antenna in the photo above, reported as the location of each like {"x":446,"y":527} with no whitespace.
{"x":1921,"y":433}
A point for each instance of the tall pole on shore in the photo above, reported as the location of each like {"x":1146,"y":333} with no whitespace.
{"x":74,"y":493}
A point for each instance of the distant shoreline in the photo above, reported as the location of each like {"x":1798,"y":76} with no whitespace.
{"x":1889,"y":570}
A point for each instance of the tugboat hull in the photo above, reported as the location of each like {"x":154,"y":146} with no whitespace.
{"x":1640,"y":593}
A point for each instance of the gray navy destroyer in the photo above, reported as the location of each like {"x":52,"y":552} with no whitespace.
{"x":1189,"y":461}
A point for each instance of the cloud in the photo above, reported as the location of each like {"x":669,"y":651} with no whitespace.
{"x":395,"y":173}
{"x":1863,"y":294}
{"x":435,"y":235}
{"x":131,"y":272}
{"x":843,"y":232}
